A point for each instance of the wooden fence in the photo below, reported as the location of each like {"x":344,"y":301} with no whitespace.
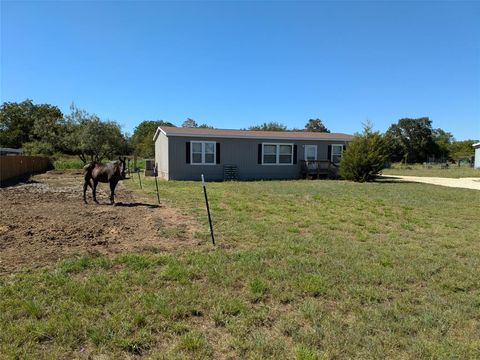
{"x":14,"y":168}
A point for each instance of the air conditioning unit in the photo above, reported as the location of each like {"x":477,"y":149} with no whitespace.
{"x":149,"y":167}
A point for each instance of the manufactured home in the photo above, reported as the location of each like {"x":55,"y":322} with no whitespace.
{"x":186,"y":153}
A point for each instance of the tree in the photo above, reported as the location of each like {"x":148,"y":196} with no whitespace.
{"x":442,"y":140}
{"x":91,"y":138}
{"x":316,"y":125}
{"x":271,"y":126}
{"x":365,"y":156}
{"x":189,"y":123}
{"x":142,"y":138}
{"x":47,"y":131}
{"x":461,"y":149}
{"x":16,"y":123}
{"x":24,"y":122}
{"x":38,"y":148}
{"x":48,"y":123}
{"x":411,"y":140}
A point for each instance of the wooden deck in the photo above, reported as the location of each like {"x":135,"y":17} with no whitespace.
{"x":318,"y":168}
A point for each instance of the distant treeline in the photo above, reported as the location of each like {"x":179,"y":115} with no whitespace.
{"x":42,"y":129}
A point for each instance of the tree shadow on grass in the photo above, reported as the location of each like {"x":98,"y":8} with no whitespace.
{"x":392,"y":180}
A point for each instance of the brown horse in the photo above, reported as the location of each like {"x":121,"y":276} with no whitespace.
{"x":111,"y":173}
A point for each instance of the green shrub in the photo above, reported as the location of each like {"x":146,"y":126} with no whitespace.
{"x":364,"y":157}
{"x":38,"y":148}
{"x":63,"y":163}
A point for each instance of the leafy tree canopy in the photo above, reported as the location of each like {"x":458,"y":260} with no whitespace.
{"x":189,"y":123}
{"x":270,"y":126}
{"x":442,"y":140}
{"x":461,"y":149}
{"x":411,"y":140}
{"x":23,"y":122}
{"x":316,"y":125}
{"x":38,"y":148}
{"x":91,"y":138}
{"x":142,"y":138}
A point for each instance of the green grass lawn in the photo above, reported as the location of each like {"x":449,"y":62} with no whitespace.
{"x":302,"y":269}
{"x":453,"y":171}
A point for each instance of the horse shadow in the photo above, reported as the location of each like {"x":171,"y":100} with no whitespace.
{"x":131,"y":204}
{"x":136,"y":204}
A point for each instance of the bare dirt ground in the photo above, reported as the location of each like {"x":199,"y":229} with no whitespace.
{"x":465,"y":183}
{"x":46,"y":220}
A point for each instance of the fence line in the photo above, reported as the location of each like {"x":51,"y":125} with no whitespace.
{"x":14,"y":168}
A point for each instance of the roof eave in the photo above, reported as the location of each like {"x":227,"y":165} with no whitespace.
{"x":159,"y":130}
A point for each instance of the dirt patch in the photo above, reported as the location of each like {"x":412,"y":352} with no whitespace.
{"x":45,"y":220}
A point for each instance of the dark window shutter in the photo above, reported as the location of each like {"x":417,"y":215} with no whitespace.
{"x":187,"y":152}
{"x":294,"y":154}
{"x":218,"y":153}
{"x":259,"y":153}
{"x":344,"y":147}
{"x":329,"y":153}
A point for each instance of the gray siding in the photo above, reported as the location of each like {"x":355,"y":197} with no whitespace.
{"x":161,"y":155}
{"x":240,"y":152}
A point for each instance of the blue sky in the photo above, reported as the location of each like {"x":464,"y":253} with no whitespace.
{"x":235,"y":64}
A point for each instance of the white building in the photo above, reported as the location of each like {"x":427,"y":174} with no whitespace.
{"x":477,"y":155}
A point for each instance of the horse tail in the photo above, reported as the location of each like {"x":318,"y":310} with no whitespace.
{"x":87,"y":172}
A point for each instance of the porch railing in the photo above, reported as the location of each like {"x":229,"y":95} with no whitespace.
{"x":318,"y":168}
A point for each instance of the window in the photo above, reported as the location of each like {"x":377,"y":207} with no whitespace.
{"x":197,"y":152}
{"x":209,"y":150}
{"x":285,"y":156}
{"x":336,"y":153}
{"x":310,"y":152}
{"x":203,"y":152}
{"x":277,"y":154}
{"x":269,"y":154}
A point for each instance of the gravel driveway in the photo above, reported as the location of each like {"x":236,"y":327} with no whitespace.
{"x":466,"y":183}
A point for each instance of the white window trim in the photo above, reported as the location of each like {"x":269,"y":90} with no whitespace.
{"x":203,"y":152}
{"x":341,"y":152}
{"x":277,"y":153}
{"x":305,"y":152}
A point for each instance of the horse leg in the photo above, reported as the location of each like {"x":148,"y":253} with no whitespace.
{"x":112,"y":192}
{"x":94,"y":191}
{"x":85,"y":186}
{"x":87,"y":175}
